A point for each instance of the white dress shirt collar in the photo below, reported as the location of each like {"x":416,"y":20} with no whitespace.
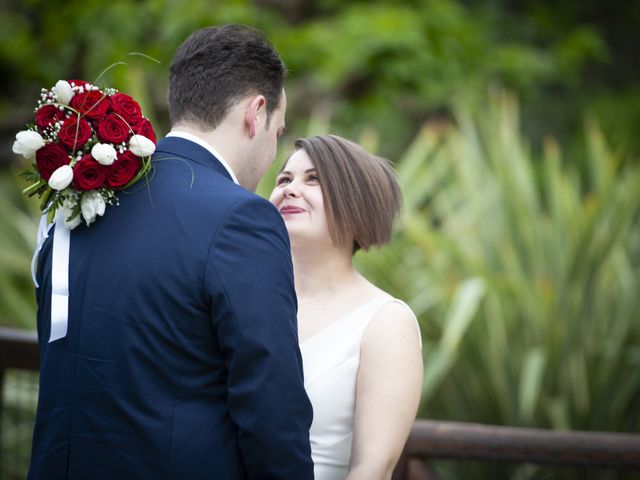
{"x":205,"y":145}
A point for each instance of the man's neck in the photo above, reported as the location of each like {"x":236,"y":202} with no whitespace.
{"x":217,"y":142}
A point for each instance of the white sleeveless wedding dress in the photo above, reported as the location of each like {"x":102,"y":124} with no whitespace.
{"x":331,"y":359}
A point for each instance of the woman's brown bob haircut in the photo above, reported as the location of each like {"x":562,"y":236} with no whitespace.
{"x":361,"y":192}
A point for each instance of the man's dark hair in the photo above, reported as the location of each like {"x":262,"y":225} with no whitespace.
{"x":218,"y":66}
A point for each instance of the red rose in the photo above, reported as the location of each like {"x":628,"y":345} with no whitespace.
{"x":123,"y":170}
{"x":144,"y":127}
{"x":88,"y":174}
{"x":49,"y":158}
{"x":74,"y":134}
{"x":113,"y":129}
{"x":93,"y":104}
{"x":47,"y":115}
{"x":126,"y":107}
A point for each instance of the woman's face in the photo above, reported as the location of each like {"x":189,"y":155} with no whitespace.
{"x":298,"y":197}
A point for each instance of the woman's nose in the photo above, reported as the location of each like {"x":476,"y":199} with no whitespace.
{"x":291,"y":190}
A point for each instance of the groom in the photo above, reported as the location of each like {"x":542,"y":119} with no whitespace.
{"x":181,"y":357}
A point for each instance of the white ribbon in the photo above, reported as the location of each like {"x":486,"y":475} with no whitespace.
{"x":59,"y":273}
{"x":60,"y":281}
{"x":43,"y":234}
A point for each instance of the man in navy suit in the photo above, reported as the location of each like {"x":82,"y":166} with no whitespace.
{"x":181,"y":357}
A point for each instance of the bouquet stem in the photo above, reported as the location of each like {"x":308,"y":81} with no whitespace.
{"x":45,"y":199}
{"x":32,"y":189}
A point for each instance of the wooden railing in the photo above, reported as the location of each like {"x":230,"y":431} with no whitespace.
{"x":431,"y":440}
{"x":436,"y":440}
{"x":18,"y":350}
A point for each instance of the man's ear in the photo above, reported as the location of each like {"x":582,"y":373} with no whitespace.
{"x":253,"y":113}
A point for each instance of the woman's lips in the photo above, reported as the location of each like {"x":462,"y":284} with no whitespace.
{"x":286,"y":210}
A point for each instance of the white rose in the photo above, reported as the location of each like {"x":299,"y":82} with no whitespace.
{"x":27,"y":143}
{"x":92,"y":204}
{"x":141,"y":146}
{"x":61,"y":178}
{"x":63,"y":92}
{"x":64,"y":212}
{"x":104,"y":153}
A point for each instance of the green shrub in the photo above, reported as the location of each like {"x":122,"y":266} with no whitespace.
{"x":17,"y":238}
{"x":524,"y":274}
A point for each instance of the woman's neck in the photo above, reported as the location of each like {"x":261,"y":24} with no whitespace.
{"x":321,"y":273}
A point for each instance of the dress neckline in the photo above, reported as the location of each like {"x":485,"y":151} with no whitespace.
{"x":346,"y":315}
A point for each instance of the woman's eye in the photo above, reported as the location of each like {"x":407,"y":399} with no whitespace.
{"x":282,"y":180}
{"x":314,"y":178}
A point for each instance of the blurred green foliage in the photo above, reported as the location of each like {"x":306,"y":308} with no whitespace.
{"x":384,"y":64}
{"x":17,"y":238}
{"x":523,"y":272}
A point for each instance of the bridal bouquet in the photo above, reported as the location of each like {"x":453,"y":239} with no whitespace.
{"x":88,"y":143}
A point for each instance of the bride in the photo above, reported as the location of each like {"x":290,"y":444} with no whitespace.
{"x":361,"y":347}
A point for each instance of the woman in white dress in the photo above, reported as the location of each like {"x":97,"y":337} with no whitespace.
{"x":361,"y":347}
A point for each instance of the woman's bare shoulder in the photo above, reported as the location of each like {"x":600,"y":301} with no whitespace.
{"x":395,"y":323}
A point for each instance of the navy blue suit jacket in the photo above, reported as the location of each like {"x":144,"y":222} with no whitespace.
{"x":181,"y":359}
